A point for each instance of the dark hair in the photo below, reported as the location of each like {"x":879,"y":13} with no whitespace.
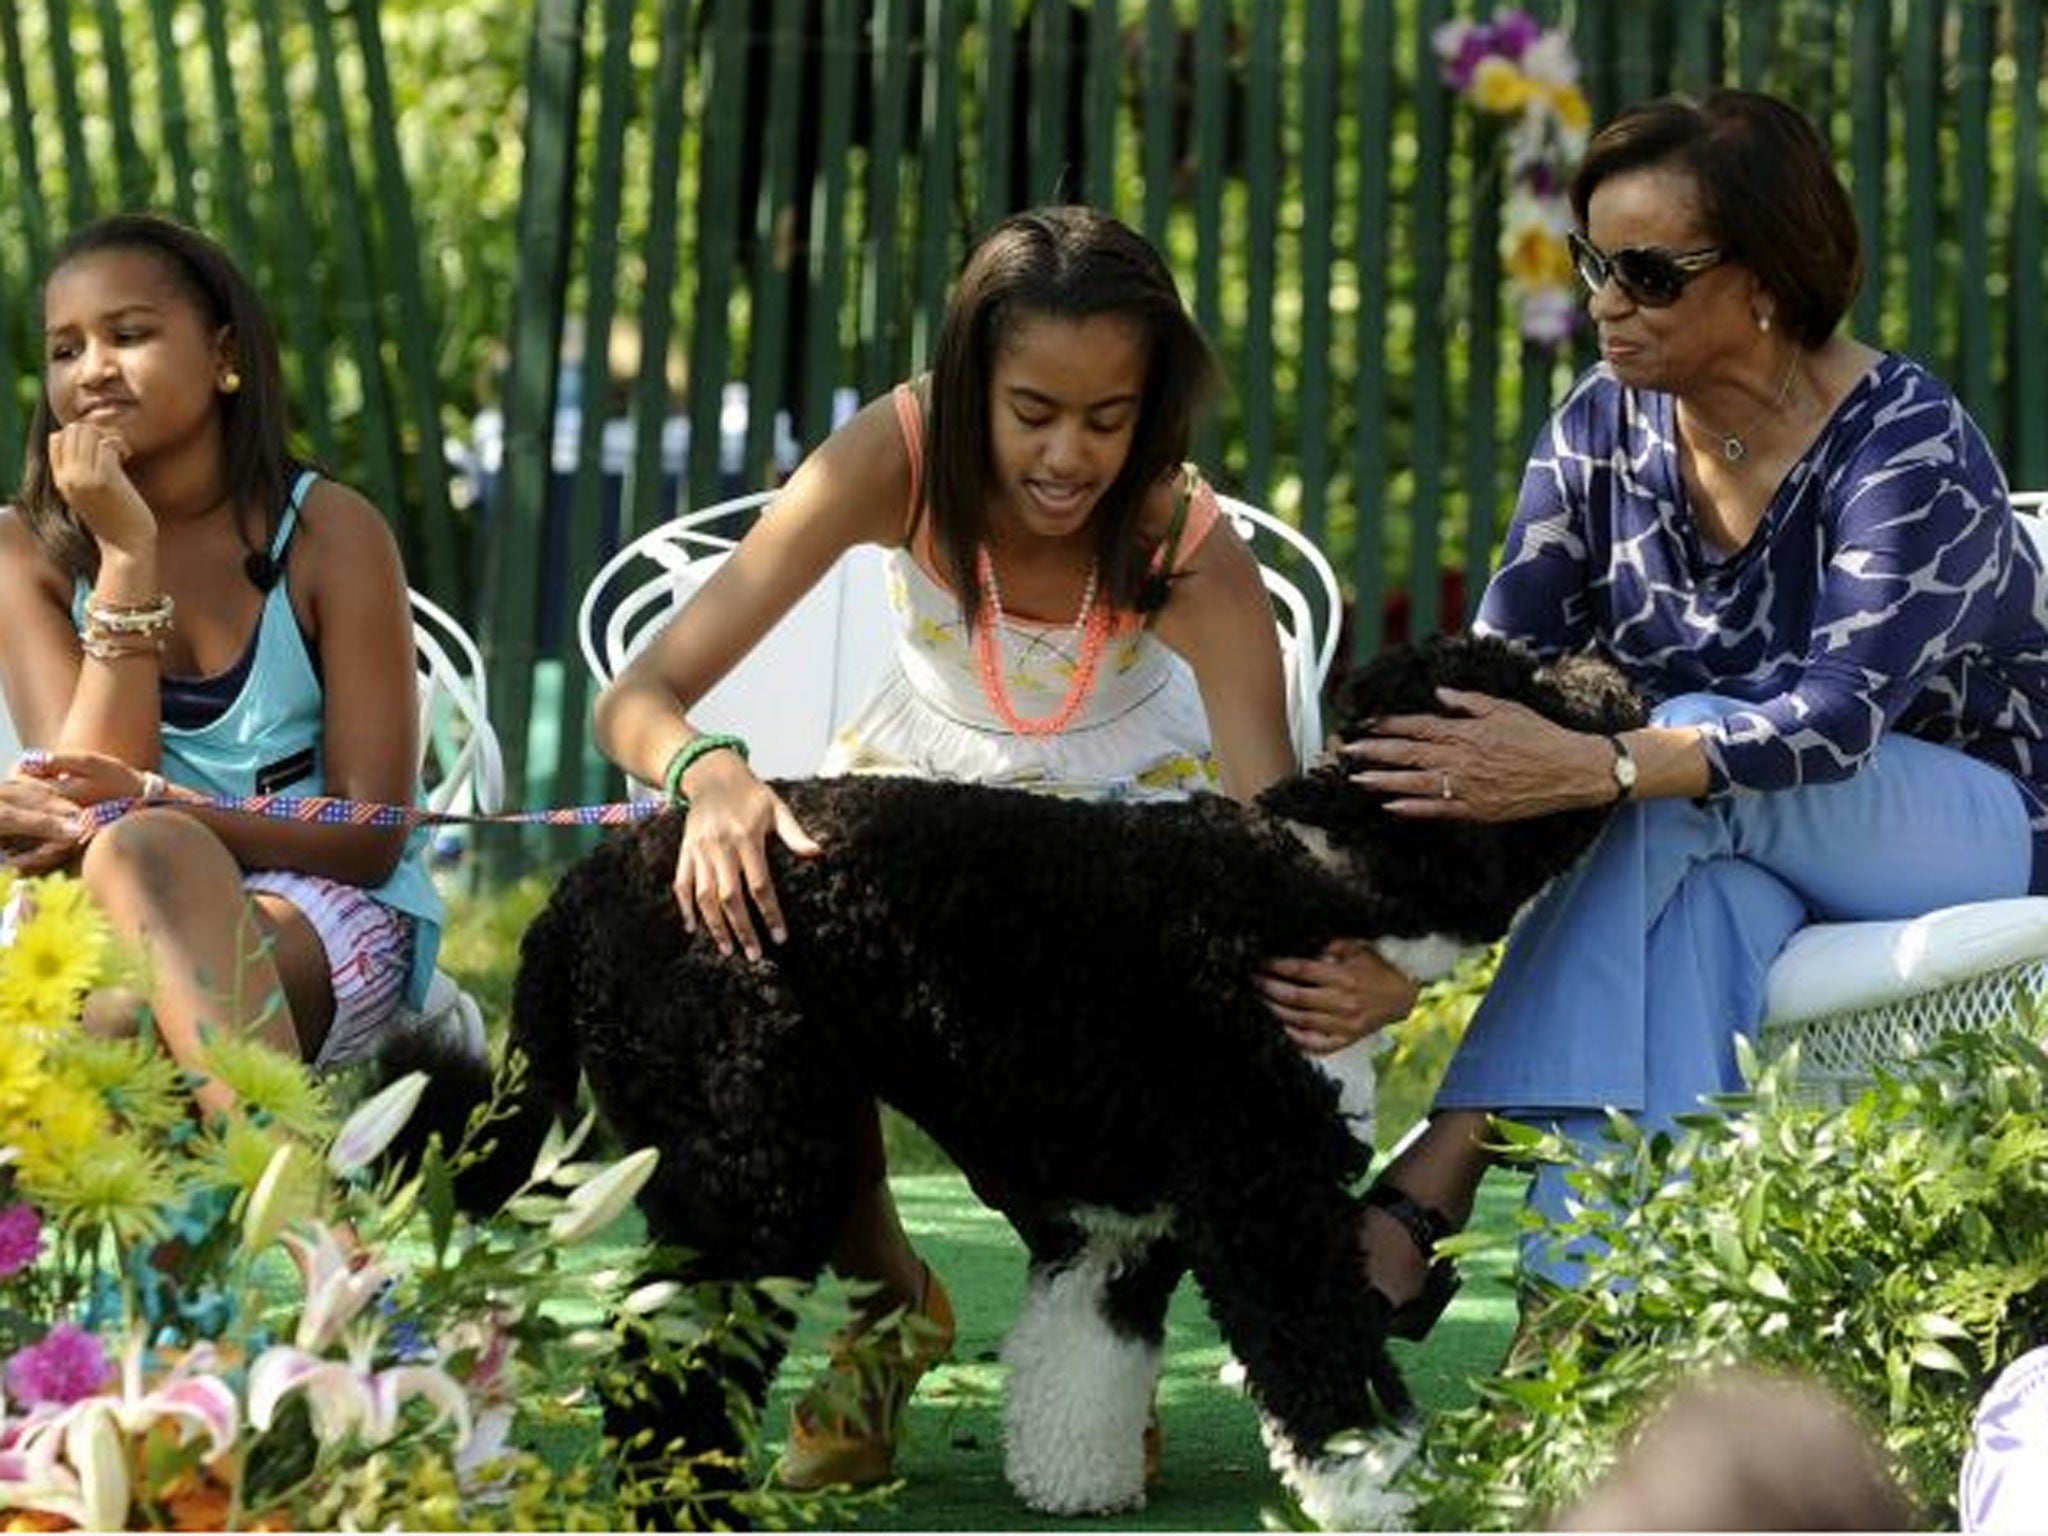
{"x":1066,"y":263}
{"x":253,"y":418}
{"x":1769,"y":191}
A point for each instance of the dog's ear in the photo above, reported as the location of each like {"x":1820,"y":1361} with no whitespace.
{"x":1400,"y":680}
{"x":1403,"y":679}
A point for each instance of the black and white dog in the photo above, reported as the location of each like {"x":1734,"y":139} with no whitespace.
{"x":1061,"y":994}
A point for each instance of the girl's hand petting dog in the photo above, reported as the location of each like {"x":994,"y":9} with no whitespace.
{"x":1339,"y":997}
{"x":722,"y":877}
{"x":1486,"y":759}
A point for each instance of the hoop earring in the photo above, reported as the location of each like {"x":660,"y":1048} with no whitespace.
{"x":230,"y":382}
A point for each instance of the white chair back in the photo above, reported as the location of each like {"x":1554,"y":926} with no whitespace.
{"x":1307,"y":618}
{"x":811,"y":671}
{"x":462,"y":763}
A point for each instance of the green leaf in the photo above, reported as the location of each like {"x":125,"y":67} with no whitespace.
{"x":437,"y":1196}
{"x":1767,"y":1282}
{"x":1939,"y":1325}
{"x":1938,"y":1357}
{"x":1754,"y":1203}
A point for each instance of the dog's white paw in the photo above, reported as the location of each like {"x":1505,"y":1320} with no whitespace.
{"x":1351,"y":1489}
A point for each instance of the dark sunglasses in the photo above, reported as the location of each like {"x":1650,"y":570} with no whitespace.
{"x":1650,"y":277}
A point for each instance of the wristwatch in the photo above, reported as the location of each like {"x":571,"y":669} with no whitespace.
{"x":1624,"y":769}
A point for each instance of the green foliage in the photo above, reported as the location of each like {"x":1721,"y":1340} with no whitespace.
{"x":1421,"y":1044}
{"x":480,"y":940}
{"x":1895,"y":1249}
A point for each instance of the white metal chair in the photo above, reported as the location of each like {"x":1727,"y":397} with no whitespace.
{"x":1308,"y":619}
{"x":1853,"y":995}
{"x":787,"y":701}
{"x":462,"y":764}
{"x":807,"y":674}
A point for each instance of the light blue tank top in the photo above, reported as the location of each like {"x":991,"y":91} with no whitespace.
{"x":268,"y":740}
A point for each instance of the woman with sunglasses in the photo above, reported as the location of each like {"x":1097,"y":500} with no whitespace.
{"x":1801,"y":550}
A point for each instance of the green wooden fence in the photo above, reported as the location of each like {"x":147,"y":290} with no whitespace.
{"x":775,"y":194}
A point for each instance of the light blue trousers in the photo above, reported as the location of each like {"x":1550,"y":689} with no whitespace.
{"x":1626,"y":984}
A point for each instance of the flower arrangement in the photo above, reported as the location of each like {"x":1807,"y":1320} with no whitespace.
{"x":242,"y":1323}
{"x":1514,"y":69}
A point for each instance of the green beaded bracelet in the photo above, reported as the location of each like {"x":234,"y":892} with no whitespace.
{"x":688,"y":753}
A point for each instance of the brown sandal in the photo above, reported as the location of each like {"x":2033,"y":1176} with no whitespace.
{"x":1426,"y":1227}
{"x":827,"y":1448}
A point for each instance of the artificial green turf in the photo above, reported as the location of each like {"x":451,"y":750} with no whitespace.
{"x":1214,"y":1475}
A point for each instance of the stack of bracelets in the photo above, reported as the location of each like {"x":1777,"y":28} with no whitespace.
{"x":114,"y":630}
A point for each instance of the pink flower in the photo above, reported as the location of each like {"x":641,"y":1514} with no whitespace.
{"x":21,"y":1239}
{"x":66,"y":1366}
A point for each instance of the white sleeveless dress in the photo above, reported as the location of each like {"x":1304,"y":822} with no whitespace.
{"x":1140,"y":733}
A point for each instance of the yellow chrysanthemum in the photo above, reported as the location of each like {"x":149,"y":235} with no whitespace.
{"x":1498,"y":86}
{"x":66,"y":1127}
{"x":63,"y":900}
{"x":22,"y":1080}
{"x":122,"y":1186}
{"x":140,"y":1085}
{"x":50,"y":967}
{"x":270,"y":1084}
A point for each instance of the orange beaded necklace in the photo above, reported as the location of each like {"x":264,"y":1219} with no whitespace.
{"x":1091,"y":629}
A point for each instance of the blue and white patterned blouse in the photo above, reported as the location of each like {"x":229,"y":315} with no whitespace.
{"x":1887,"y":587}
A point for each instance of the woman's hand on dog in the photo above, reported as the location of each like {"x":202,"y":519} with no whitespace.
{"x":1338,"y":997}
{"x":722,"y":879}
{"x":1486,"y":759}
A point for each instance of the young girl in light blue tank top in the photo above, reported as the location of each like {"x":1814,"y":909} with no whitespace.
{"x":189,"y":617}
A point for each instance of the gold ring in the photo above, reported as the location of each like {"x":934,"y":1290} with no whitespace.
{"x":1445,"y":779}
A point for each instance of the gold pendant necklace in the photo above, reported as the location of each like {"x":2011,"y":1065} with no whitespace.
{"x":1733,"y":449}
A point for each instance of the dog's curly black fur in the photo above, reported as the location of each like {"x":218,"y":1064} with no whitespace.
{"x":1061,"y":994}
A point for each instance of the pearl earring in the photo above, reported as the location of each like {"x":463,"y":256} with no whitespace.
{"x":230,"y":382}
{"x":1763,"y":323}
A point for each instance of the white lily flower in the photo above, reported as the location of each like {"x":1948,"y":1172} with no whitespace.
{"x":367,"y":1132}
{"x":338,"y":1286}
{"x":598,"y":1202}
{"x":33,"y":1475}
{"x":490,"y":1438}
{"x":72,"y":1461}
{"x":442,"y":1392}
{"x":1551,"y":59}
{"x":345,"y":1399}
{"x":337,"y":1395}
{"x":98,"y":1451}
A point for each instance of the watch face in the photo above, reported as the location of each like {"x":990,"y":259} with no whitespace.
{"x":1624,"y":768}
